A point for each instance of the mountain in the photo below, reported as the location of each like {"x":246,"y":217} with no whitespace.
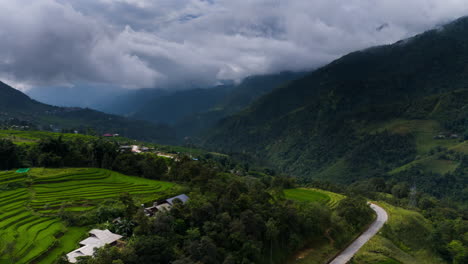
{"x":172,"y":108}
{"x":17,"y":108}
{"x":130,"y":102}
{"x":194,"y":110}
{"x":239,"y":97}
{"x":14,"y":100}
{"x":373,"y":113}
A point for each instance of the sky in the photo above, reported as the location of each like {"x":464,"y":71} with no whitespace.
{"x":68,"y":51}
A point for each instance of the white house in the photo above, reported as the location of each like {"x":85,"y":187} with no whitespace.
{"x":97,"y":239}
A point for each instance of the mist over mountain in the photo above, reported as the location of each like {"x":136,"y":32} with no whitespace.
{"x":233,"y":132}
{"x":194,"y":110}
{"x":365,"y":114}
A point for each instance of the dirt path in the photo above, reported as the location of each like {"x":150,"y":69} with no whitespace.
{"x":350,"y":251}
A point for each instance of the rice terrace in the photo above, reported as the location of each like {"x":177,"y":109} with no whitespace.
{"x":31,"y":203}
{"x":331,"y":199}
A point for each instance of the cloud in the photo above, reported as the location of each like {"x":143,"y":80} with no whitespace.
{"x":162,"y":43}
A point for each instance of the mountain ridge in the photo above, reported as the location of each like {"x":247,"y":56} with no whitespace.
{"x":309,"y":125}
{"x":19,"y":109}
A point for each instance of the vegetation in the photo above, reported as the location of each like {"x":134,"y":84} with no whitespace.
{"x":232,"y":219}
{"x":193,"y":111}
{"x":314,"y":195}
{"x":365,"y":114}
{"x":18,"y":110}
{"x":225,"y":195}
{"x":404,"y":239}
{"x":389,"y":123}
{"x":44,"y":213}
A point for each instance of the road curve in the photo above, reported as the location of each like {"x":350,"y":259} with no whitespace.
{"x":350,"y":251}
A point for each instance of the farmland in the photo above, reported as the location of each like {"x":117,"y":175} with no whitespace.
{"x":313,"y":195}
{"x":30,"y":205}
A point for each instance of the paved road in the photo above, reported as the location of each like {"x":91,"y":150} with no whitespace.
{"x":350,"y":251}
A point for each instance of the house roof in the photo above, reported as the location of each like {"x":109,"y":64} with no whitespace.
{"x":98,"y":238}
{"x":163,"y":207}
{"x":81,"y":252}
{"x":184,"y":198}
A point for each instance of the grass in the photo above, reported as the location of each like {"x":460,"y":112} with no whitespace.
{"x":30,"y":230}
{"x":33,"y":137}
{"x":423,"y":131}
{"x":68,"y":243}
{"x":313,"y":195}
{"x":461,"y":148}
{"x":402,"y":240}
{"x":429,"y":164}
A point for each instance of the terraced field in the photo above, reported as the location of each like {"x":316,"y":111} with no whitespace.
{"x":30,"y":230}
{"x":314,"y":195}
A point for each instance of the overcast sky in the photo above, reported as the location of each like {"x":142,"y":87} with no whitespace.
{"x":130,"y":44}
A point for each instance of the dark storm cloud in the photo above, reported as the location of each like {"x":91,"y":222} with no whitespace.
{"x":148,"y":43}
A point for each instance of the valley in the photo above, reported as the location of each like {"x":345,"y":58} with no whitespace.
{"x":220,"y":137}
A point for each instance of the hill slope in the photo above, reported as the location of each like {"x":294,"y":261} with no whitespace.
{"x":17,"y":108}
{"x":194,"y":110}
{"x":336,"y":122}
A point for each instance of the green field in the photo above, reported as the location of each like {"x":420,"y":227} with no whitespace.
{"x":423,"y":131}
{"x":313,"y":195}
{"x":33,"y":137}
{"x":402,"y":240}
{"x":30,"y":229}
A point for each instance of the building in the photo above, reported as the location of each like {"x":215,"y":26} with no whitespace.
{"x":97,"y":239}
{"x":126,"y":149}
{"x":165,"y":205}
{"x":183,"y":198}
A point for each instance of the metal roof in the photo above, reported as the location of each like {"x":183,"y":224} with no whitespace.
{"x":184,"y":198}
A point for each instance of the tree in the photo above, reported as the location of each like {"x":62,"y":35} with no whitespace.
{"x":129,"y":205}
{"x":458,"y":252}
{"x":9,"y":156}
{"x":355,"y":211}
{"x":271,"y":234}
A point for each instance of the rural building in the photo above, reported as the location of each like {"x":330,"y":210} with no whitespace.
{"x":183,"y":198}
{"x":125,"y":148}
{"x":136,"y":149}
{"x":97,"y":239}
{"x":165,"y":205}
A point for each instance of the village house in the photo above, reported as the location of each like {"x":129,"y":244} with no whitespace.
{"x":165,"y":205}
{"x":97,"y":239}
{"x":125,"y":149}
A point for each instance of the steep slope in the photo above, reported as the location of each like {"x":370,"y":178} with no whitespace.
{"x":171,"y":108}
{"x":14,"y":100}
{"x":131,"y":102}
{"x":235,"y":100}
{"x":321,"y":125}
{"x":17,"y":108}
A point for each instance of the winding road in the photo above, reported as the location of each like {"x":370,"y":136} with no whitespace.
{"x":350,"y":251}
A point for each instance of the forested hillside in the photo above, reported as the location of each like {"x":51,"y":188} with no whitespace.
{"x":367,"y":113}
{"x":234,"y":215}
{"x":195,"y":110}
{"x":17,"y":109}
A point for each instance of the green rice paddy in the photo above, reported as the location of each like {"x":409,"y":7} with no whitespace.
{"x":30,"y":230}
{"x":314,"y":195}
